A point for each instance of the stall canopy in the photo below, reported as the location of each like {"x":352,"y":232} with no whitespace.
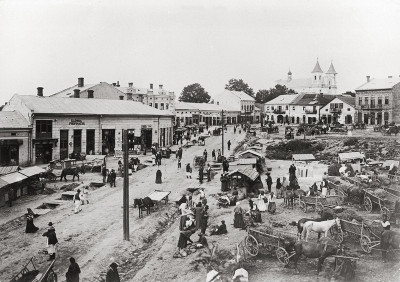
{"x":250,"y":154}
{"x":303,"y":157}
{"x":252,"y":174}
{"x":95,"y":158}
{"x":8,"y":169}
{"x":351,"y":156}
{"x":158,"y":195}
{"x":250,"y":161}
{"x":3,"y":183}
{"x":13,"y":177}
{"x":388,"y":163}
{"x":31,"y":171}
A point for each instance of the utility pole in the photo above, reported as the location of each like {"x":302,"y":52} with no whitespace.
{"x":222,"y":122}
{"x":126,"y":186}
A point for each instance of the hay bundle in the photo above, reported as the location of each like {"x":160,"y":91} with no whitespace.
{"x":350,"y":215}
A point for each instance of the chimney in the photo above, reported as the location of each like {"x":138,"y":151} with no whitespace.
{"x":114,"y":84}
{"x":117,"y":83}
{"x":121,"y":97}
{"x":76,"y":93}
{"x":368,"y":78}
{"x":160,"y":86}
{"x":81,"y":82}
{"x":151,"y":86}
{"x":130,"y":84}
{"x":390,"y":76}
{"x":40,"y":91}
{"x":129,"y":96}
{"x":90,"y":94}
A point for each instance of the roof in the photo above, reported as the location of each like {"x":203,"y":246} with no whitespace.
{"x":3,"y":183}
{"x":312,"y":99}
{"x":77,"y":106}
{"x":317,"y":68}
{"x":70,"y":90}
{"x":12,"y":120}
{"x":303,"y":157}
{"x":31,"y":171}
{"x":249,"y":172}
{"x":351,"y":156}
{"x":7,"y":169}
{"x":282,"y":100}
{"x":296,"y":83}
{"x":242,"y":96}
{"x":13,"y":177}
{"x":251,"y":152}
{"x":158,"y":195}
{"x":184,"y":106}
{"x":331,"y":69}
{"x":379,"y":83}
{"x":348,"y":100}
{"x":247,"y":161}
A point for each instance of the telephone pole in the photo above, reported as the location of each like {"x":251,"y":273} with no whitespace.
{"x":222,"y":122}
{"x":126,"y":185}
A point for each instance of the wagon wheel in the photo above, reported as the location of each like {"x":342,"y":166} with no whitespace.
{"x":338,"y":236}
{"x":282,"y":256}
{"x":251,"y":245}
{"x":303,"y":206}
{"x":365,"y":244}
{"x":385,"y":210}
{"x":367,"y":204}
{"x":319,"y":207}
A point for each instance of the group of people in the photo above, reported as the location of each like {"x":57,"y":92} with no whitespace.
{"x":74,"y":271}
{"x":109,"y":176}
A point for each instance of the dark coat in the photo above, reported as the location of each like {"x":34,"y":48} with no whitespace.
{"x":112,"y":274}
{"x":72,"y":274}
{"x":51,"y":236}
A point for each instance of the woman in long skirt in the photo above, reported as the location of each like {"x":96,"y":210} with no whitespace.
{"x":158,"y":177}
{"x":238,"y":221}
{"x":271,"y":203}
{"x":30,"y":227}
{"x":261,"y":204}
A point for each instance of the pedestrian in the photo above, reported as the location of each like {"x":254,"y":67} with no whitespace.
{"x":51,"y":241}
{"x":184,"y":238}
{"x":180,"y":151}
{"x":278,"y":188}
{"x":238,"y":221}
{"x":229,"y":145}
{"x":113,"y":177}
{"x":197,"y":214}
{"x":30,"y":227}
{"x":158,"y":177}
{"x":201,"y":174}
{"x":234,"y":130}
{"x":153,"y":160}
{"x":179,"y":163}
{"x":205,"y":155}
{"x":104,"y":173}
{"x":84,"y":200}
{"x":225,"y":165}
{"x":271,"y":203}
{"x":188,"y":171}
{"x":112,"y":273}
{"x":204,"y":219}
{"x":135,"y":163}
{"x":269,"y":182}
{"x":77,"y":201}
{"x":213,"y":154}
{"x":251,"y":204}
{"x":159,"y":157}
{"x":73,"y":272}
{"x":120,"y":167}
{"x":208,"y":172}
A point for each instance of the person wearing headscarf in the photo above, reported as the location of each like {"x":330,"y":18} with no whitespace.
{"x":73,"y":272}
{"x":221,"y":229}
{"x":158,"y":177}
{"x":271,"y":203}
{"x":30,"y":227}
{"x":205,"y":155}
{"x":185,"y":210}
{"x":112,"y":273}
{"x":238,"y":221}
{"x":188,"y":171}
{"x":208,"y":172}
{"x":77,"y":201}
{"x":184,"y":238}
{"x":260,"y":203}
{"x":278,"y":188}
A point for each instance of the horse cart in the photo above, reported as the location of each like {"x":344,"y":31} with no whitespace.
{"x":256,"y":241}
{"x":318,"y":203}
{"x":157,"y":196}
{"x":30,"y":273}
{"x":386,"y":207}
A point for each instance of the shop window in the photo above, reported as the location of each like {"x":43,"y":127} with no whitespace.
{"x":44,"y":128}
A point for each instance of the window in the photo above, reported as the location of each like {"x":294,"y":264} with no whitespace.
{"x":151,"y":104}
{"x":348,"y":109}
{"x":287,"y":107}
{"x":386,"y":100}
{"x":366,"y":100}
{"x":379,"y":100}
{"x":272,"y":108}
{"x":242,"y":107}
{"x":13,"y":134}
{"x":44,"y":128}
{"x":267,"y":107}
{"x":326,"y":110}
{"x":304,"y":108}
{"x":156,"y":105}
{"x":166,"y":106}
{"x":161,"y":106}
{"x":315,"y":77}
{"x":359,"y":101}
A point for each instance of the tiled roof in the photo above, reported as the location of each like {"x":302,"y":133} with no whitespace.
{"x":348,"y":100}
{"x":331,"y":69}
{"x":379,"y":83}
{"x":184,"y":106}
{"x":249,"y":172}
{"x":312,"y":99}
{"x":282,"y":99}
{"x":77,"y":106}
{"x":242,"y":96}
{"x":12,"y":120}
{"x":317,"y":68}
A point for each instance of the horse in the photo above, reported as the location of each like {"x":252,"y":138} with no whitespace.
{"x":301,"y":222}
{"x":70,"y":171}
{"x":319,"y":227}
{"x":389,"y":239}
{"x":322,"y":249}
{"x":289,"y":196}
{"x":145,"y":203}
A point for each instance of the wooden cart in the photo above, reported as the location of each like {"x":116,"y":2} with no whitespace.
{"x":318,"y":203}
{"x":30,"y":273}
{"x":370,"y":199}
{"x":257,"y":240}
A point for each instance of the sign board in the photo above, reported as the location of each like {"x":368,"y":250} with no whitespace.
{"x":76,"y":122}
{"x":146,"y":126}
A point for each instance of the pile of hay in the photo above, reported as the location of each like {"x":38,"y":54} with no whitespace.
{"x":350,"y":215}
{"x":69,"y":187}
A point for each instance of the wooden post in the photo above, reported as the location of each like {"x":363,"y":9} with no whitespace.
{"x":222,"y":123}
{"x":126,"y":186}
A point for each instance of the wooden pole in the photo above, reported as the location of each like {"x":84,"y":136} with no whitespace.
{"x":126,"y":186}
{"x":222,"y":123}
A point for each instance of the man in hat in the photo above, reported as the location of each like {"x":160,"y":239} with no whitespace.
{"x":77,"y":201}
{"x":269,"y":182}
{"x":112,"y":273}
{"x":51,"y":241}
{"x":113,"y":177}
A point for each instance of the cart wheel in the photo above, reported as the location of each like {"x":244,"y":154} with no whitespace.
{"x":319,"y":207}
{"x":303,"y":206}
{"x":385,"y":210}
{"x":282,"y":256}
{"x":365,"y":243}
{"x":337,"y":236}
{"x":367,"y":204}
{"x":251,"y":245}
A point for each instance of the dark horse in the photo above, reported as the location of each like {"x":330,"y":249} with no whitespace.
{"x":389,"y":239}
{"x":290,"y":195}
{"x":322,"y":249}
{"x":143,"y":204}
{"x":70,"y":171}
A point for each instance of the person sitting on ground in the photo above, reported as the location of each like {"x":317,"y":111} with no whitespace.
{"x":184,"y":238}
{"x":221,"y":229}
{"x":257,"y":215}
{"x":385,"y":222}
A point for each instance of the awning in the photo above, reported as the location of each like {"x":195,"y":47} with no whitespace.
{"x":257,"y":154}
{"x":3,"y":183}
{"x":303,"y":157}
{"x":7,"y":169}
{"x":95,"y":158}
{"x":248,"y":161}
{"x":31,"y":171}
{"x":13,"y":177}
{"x":158,"y":195}
{"x":351,"y":156}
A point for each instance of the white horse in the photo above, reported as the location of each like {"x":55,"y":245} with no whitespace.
{"x":319,"y":227}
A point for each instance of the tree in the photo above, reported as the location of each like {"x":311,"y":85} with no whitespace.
{"x":264,"y":95}
{"x":194,"y":93}
{"x":239,"y":85}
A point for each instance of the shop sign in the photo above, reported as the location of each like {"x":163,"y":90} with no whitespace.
{"x":76,"y":122}
{"x":148,"y":126}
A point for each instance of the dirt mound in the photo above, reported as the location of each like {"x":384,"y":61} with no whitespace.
{"x":69,"y":187}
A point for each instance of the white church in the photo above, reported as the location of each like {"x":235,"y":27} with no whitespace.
{"x":318,"y":82}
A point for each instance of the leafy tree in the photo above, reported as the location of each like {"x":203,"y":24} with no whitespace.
{"x":239,"y":85}
{"x":264,"y":95}
{"x":194,"y":93}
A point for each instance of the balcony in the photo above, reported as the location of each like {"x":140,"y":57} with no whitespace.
{"x":279,"y":112}
{"x":335,"y":111}
{"x":311,"y":112}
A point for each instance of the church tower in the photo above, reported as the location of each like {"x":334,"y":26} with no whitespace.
{"x":289,"y":75}
{"x":317,"y":78}
{"x":330,"y":79}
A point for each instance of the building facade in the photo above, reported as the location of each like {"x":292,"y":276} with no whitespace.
{"x":340,"y":110}
{"x":378,"y":101}
{"x":63,"y":126}
{"x":278,"y":109}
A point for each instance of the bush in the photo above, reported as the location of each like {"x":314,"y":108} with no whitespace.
{"x":333,"y":170}
{"x":350,"y":142}
{"x":298,"y":145}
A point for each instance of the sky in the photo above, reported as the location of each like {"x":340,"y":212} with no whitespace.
{"x":50,"y":43}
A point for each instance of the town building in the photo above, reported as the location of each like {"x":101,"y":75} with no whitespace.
{"x":340,"y":110}
{"x":15,"y":139}
{"x":278,"y":109}
{"x":305,"y":108}
{"x":61,"y":126}
{"x":317,"y":82}
{"x":378,"y":101}
{"x":238,"y":101}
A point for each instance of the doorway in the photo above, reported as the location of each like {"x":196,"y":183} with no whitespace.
{"x":90,"y":141}
{"x":63,"y":144}
{"x":77,"y":141}
{"x":43,"y":153}
{"x":108,"y":141}
{"x":147,"y":135}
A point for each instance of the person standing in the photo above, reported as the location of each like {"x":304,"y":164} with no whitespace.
{"x":135,"y":163}
{"x":73,"y":272}
{"x":271,"y":203}
{"x":30,"y":227}
{"x":213,"y":154}
{"x":113,"y":177}
{"x":260,"y":203}
{"x":225,"y":165}
{"x":197,"y":214}
{"x":238,"y":221}
{"x":112,"y":273}
{"x":158,"y":177}
{"x":229,"y":145}
{"x":205,"y":155}
{"x":234,"y":130}
{"x":208,"y":172}
{"x":77,"y":201}
{"x":188,"y":171}
{"x":180,"y":152}
{"x":269,"y":182}
{"x":179,"y":163}
{"x":278,"y":188}
{"x":51,"y":241}
{"x":201,"y":174}
{"x":104,"y":173}
{"x":204,"y":219}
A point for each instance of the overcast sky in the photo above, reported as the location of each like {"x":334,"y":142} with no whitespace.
{"x":51,"y":43}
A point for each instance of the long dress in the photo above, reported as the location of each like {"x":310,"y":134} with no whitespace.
{"x":197,"y":215}
{"x":158,"y":177}
{"x":184,"y":237}
{"x":30,"y":227}
{"x":271,"y":204}
{"x":238,"y":221}
{"x":260,"y":204}
{"x":204,"y":221}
